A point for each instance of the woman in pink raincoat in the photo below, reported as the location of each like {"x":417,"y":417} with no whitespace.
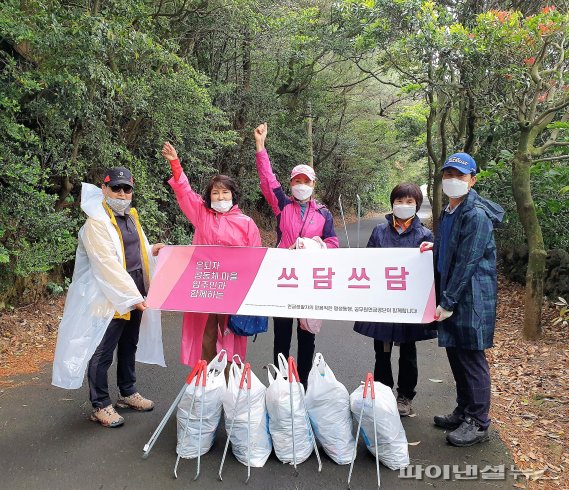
{"x":217,"y":220}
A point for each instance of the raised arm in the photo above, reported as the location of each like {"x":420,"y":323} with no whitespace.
{"x":190,"y":202}
{"x":270,"y":186}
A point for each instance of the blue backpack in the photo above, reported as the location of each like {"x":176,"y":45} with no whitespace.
{"x":247,"y":326}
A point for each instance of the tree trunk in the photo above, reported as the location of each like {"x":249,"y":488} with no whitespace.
{"x":435,"y":182}
{"x":437,"y":202}
{"x":309,"y":135}
{"x":66,"y":185}
{"x":535,"y":275}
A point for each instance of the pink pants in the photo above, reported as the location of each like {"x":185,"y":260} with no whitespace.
{"x":198,"y":336}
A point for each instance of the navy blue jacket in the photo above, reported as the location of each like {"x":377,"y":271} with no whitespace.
{"x":385,"y":235}
{"x":466,"y":284}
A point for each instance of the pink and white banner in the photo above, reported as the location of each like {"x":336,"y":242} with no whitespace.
{"x":368,"y":284}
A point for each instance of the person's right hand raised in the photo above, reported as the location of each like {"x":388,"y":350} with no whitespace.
{"x":171,"y":155}
{"x":169,"y":152}
{"x":260,"y":134}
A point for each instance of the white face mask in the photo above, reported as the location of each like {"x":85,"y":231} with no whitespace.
{"x":119,"y":206}
{"x":455,"y":188}
{"x":302,"y":191}
{"x":404,"y":211}
{"x":221,"y":206}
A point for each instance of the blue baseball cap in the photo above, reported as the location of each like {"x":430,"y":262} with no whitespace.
{"x":462,"y":162}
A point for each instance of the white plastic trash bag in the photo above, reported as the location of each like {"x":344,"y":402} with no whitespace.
{"x":259,"y":437}
{"x":392,"y":445}
{"x":211,"y":398}
{"x":328,"y":405}
{"x":280,"y":421}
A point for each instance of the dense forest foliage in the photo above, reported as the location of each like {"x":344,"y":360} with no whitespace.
{"x":372,"y":92}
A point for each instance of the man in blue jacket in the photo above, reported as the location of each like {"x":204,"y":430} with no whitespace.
{"x":465,"y":264}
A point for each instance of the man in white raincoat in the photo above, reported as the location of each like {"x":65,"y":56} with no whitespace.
{"x":105,"y":308}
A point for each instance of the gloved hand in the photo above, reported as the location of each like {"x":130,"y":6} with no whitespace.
{"x":425,"y":246}
{"x":442,"y":314}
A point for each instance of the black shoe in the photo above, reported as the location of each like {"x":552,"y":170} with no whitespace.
{"x":468,"y":434}
{"x":449,"y":422}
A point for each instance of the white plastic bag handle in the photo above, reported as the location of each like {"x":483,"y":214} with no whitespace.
{"x":318,"y":358}
{"x":235,"y":372}
{"x":283,"y":365}
{"x":320,"y":364}
{"x":269,"y":374}
{"x":218,"y":363}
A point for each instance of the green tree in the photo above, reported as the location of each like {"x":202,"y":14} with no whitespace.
{"x":527,"y":67}
{"x":84,"y":89}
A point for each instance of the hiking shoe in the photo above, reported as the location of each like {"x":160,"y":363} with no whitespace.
{"x":135,"y":401}
{"x":107,"y":417}
{"x":468,"y":434}
{"x":449,"y":422}
{"x":404,"y":406}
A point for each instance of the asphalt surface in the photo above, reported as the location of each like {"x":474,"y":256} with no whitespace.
{"x":47,"y":442}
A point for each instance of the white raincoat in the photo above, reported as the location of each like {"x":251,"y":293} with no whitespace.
{"x":100,"y":290}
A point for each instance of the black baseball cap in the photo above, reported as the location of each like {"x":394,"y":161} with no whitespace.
{"x":117,"y":176}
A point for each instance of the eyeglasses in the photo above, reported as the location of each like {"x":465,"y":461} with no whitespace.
{"x":121,"y":187}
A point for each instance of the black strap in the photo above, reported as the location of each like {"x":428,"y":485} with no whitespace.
{"x":305,"y":218}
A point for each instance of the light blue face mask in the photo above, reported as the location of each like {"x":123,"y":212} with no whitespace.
{"x":119,"y":206}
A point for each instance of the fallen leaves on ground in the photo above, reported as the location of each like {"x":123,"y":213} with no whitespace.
{"x":530,"y":388}
{"x":27,"y":338}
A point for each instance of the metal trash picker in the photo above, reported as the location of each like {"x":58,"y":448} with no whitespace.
{"x":154,"y":437}
{"x":202,"y":373}
{"x":343,"y":219}
{"x":368,"y":381}
{"x":246,"y":374}
{"x":359,"y":201}
{"x":293,"y":373}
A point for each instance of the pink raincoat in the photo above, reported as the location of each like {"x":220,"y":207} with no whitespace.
{"x":212,"y":228}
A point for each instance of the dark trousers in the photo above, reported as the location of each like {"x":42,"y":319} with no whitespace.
{"x":283,"y":336}
{"x":472,"y":377}
{"x":408,"y":372}
{"x":123,"y":336}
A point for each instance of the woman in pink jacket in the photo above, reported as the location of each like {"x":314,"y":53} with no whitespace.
{"x":217,"y":220}
{"x":298,"y":217}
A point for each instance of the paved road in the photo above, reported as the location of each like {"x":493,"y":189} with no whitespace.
{"x":46,"y":441}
